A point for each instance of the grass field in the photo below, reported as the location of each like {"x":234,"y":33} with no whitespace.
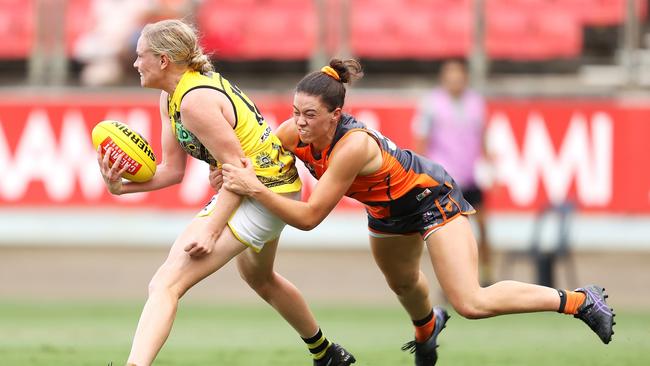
{"x":95,"y":334}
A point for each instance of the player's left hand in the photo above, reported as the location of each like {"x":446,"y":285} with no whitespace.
{"x":242,"y":181}
{"x":216,"y":178}
{"x":202,"y":245}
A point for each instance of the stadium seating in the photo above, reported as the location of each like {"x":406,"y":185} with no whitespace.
{"x":411,"y":29}
{"x":379,"y":29}
{"x":531,"y":30}
{"x":262,"y":29}
{"x":16,"y":28}
{"x":602,"y":12}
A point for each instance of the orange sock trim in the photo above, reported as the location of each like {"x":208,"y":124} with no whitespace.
{"x":573,"y":301}
{"x":423,"y":332}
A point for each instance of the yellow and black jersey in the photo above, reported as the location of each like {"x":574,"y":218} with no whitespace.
{"x":274,"y":166}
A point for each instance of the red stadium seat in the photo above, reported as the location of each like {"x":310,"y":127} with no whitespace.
{"x":531,"y":30}
{"x":16,"y":28}
{"x":284,"y":30}
{"x":258,"y":29}
{"x":416,"y":29}
{"x":507,"y":32}
{"x":222,"y":28}
{"x":457,"y":27}
{"x":602,"y":12}
{"x":560,"y":33}
{"x":372,"y":32}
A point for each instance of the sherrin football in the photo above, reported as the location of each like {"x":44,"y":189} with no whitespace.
{"x":121,"y":139}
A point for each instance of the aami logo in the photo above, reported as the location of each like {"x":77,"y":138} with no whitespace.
{"x":584,"y":156}
{"x":62,"y":160}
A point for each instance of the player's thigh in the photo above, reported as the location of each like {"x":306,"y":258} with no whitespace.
{"x":179,"y":272}
{"x":398,"y":257}
{"x":260,"y":228}
{"x":255,"y":267}
{"x":454,"y":256}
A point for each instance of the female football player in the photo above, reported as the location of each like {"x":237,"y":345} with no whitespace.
{"x":409,"y":200}
{"x":209,"y":118}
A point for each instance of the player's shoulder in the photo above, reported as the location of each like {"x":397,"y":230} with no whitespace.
{"x":288,"y":134}
{"x":354,"y":143}
{"x":202,"y":96}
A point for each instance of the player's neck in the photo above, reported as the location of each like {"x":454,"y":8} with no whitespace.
{"x":171,"y":82}
{"x":321,"y":144}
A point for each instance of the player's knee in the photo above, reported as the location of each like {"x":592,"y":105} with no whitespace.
{"x":468,"y":311}
{"x":260,"y":283}
{"x":469,"y":306}
{"x":403,"y":286}
{"x":158,"y":287}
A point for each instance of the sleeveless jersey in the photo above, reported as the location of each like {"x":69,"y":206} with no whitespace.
{"x":274,"y":166}
{"x":401,"y":172}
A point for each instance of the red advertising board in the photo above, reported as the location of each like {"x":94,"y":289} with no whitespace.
{"x":593,"y":152}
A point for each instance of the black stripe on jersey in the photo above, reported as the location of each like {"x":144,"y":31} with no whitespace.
{"x":234,"y":109}
{"x":346,"y":124}
{"x":408,"y":159}
{"x":221,"y":82}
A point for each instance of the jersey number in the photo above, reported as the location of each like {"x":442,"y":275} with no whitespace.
{"x":249,"y":104}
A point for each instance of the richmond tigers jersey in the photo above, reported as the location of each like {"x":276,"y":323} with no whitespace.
{"x":401,"y":172}
{"x":274,"y":166}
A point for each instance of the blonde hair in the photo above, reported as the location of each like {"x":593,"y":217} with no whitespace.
{"x":179,"y":42}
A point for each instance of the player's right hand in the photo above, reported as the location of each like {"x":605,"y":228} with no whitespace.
{"x":112,"y":174}
{"x":216,"y":178}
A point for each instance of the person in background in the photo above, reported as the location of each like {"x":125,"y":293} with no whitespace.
{"x":448,"y":128}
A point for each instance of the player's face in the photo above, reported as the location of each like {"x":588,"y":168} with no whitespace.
{"x":148,"y":64}
{"x":313,"y":121}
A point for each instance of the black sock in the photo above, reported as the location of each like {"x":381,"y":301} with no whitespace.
{"x":562,"y":294}
{"x":423,"y":321}
{"x":317,"y":344}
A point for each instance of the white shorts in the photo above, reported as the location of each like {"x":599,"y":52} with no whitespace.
{"x":252,"y":223}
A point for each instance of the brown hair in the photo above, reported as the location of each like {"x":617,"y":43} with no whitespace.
{"x":179,"y":42}
{"x":326,"y":86}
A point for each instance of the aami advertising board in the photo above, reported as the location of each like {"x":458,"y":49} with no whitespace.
{"x":593,"y":152}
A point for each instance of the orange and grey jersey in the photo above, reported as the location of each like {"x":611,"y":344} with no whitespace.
{"x":406,"y":185}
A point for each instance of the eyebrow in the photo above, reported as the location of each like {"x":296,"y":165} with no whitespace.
{"x":306,"y":111}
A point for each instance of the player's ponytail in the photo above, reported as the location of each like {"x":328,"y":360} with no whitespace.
{"x":179,"y":42}
{"x":348,"y":70}
{"x":200,"y":62}
{"x":328,"y":82}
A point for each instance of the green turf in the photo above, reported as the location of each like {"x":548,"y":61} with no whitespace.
{"x":92,"y":334}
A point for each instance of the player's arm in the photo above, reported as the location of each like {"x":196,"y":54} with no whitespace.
{"x":288,"y":137}
{"x":172,"y":168}
{"x":169,"y":172}
{"x":216,"y":133}
{"x":347,"y":160}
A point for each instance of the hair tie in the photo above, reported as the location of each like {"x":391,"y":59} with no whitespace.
{"x":331,"y":72}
